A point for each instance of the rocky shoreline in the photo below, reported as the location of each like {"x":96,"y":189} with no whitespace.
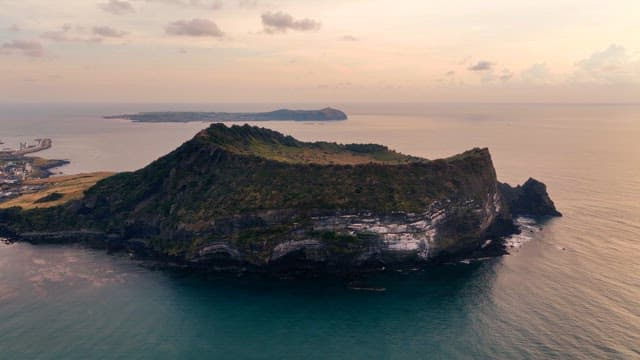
{"x":398,"y":241}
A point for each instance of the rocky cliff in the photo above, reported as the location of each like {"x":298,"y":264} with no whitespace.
{"x":244,"y":197}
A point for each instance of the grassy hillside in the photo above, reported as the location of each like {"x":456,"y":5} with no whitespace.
{"x":226,"y":171}
{"x":271,"y":145}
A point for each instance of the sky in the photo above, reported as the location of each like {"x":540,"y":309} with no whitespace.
{"x":320,"y":51}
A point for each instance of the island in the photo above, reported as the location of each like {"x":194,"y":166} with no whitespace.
{"x":326,"y":114}
{"x":245,"y":198}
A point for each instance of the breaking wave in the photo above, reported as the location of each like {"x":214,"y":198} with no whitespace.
{"x":528,"y":227}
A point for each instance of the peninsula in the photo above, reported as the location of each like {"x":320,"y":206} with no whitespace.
{"x":326,"y":114}
{"x":245,"y":198}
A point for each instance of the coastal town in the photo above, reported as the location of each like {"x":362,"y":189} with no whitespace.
{"x":16,"y":168}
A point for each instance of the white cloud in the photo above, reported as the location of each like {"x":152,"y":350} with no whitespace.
{"x":613,"y":65}
{"x":117,"y":7}
{"x":202,"y":4}
{"x":536,"y":74}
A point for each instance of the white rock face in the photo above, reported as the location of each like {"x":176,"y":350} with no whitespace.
{"x":389,"y":237}
{"x":287,"y":247}
{"x":219,"y":248}
{"x":398,"y":233}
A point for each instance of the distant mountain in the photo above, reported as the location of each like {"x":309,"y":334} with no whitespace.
{"x":326,"y":114}
{"x":244,"y":197}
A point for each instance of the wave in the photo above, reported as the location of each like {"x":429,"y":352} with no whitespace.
{"x":528,"y":228}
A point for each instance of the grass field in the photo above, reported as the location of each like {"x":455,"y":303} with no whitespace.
{"x":58,"y":190}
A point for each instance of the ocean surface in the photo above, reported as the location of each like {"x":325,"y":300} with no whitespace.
{"x":569,"y":290}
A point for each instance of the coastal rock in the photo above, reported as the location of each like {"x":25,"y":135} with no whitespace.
{"x":529,"y":199}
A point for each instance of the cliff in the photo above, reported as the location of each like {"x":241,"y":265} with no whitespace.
{"x":326,"y":114}
{"x":246,"y":197}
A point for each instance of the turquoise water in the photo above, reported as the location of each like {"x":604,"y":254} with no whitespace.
{"x":569,"y":290}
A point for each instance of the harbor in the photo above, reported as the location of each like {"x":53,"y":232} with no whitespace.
{"x":25,"y":148}
{"x":16,"y":169}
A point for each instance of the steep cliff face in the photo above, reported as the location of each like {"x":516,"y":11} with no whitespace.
{"x":246,"y":197}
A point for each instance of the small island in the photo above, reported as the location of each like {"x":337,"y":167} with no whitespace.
{"x":326,"y":114}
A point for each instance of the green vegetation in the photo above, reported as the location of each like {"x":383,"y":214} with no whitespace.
{"x":271,"y":145}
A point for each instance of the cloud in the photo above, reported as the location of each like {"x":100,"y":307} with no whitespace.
{"x":481,"y":65}
{"x":493,"y":76}
{"x":107,"y":31}
{"x":203,"y":4}
{"x":536,"y":74}
{"x":24,"y":47}
{"x":206,"y":4}
{"x":14,"y":28}
{"x":55,"y":36}
{"x":117,"y":7}
{"x":612,"y":65}
{"x":194,"y":27}
{"x":280,"y":22}
{"x":608,"y":59}
{"x":61,"y":35}
{"x":349,"y":38}
{"x":247,"y":3}
{"x":505,"y":75}
{"x":66,"y":34}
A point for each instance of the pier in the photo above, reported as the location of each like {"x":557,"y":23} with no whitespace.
{"x":24,"y":149}
{"x":41,"y":144}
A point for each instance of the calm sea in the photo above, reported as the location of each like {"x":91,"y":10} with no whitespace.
{"x":569,"y":290}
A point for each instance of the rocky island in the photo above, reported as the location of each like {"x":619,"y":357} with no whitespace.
{"x":245,"y":198}
{"x":326,"y":114}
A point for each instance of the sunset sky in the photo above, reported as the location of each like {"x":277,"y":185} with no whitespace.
{"x":320,"y":50}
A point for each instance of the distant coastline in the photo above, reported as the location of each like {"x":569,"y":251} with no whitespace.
{"x":326,"y":114}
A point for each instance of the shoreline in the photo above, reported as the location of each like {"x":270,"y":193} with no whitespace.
{"x":137,"y":250}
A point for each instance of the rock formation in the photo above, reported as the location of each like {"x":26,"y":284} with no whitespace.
{"x":244,"y":197}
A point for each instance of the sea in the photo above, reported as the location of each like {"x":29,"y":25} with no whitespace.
{"x":569,"y":289}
